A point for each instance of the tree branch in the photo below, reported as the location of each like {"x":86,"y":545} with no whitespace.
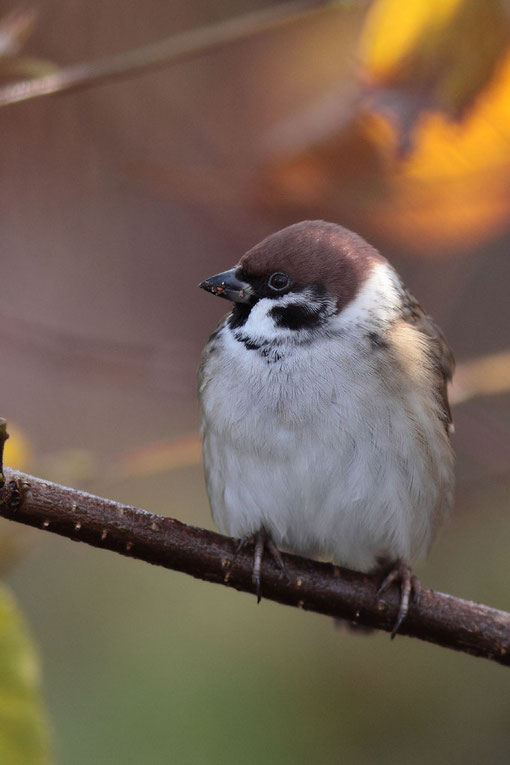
{"x":159,"y":54}
{"x":313,"y":586}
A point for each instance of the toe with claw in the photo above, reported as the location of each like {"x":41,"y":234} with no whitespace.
{"x":262,"y":541}
{"x":409,"y":590}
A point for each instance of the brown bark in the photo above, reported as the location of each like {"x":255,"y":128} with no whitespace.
{"x":442,"y":619}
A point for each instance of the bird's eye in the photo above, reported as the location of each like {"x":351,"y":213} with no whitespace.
{"x":278,"y":282}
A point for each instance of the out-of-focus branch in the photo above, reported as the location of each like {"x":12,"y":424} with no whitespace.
{"x":484,"y":376}
{"x":314,"y":586}
{"x":159,"y":54}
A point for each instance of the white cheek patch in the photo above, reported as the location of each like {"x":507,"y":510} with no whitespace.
{"x":261,"y":325}
{"x":377,"y":301}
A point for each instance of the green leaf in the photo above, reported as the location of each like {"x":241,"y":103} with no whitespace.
{"x":24,"y":735}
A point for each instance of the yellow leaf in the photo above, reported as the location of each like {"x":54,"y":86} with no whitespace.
{"x":17,"y":449}
{"x":24,"y":738}
{"x":440,"y":53}
{"x":450,"y":192}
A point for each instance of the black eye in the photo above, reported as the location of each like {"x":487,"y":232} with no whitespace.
{"x":278,"y":282}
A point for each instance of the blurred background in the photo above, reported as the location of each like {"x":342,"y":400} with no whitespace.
{"x":115,"y":201}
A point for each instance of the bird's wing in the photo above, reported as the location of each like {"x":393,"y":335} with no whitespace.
{"x":439,"y":351}
{"x":208,"y":350}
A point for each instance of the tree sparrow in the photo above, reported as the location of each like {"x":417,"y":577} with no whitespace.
{"x":325,"y":418}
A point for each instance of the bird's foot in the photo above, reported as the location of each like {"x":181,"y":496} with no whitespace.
{"x":262,"y":541}
{"x":409,"y":590}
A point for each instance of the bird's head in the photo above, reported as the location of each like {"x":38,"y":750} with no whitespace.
{"x":297,"y":279}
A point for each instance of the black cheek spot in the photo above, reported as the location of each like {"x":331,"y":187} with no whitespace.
{"x":296,"y":316}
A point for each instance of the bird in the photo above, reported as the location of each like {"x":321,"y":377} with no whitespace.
{"x":326,"y":426}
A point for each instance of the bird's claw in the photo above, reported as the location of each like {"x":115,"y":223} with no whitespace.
{"x":409,"y":590}
{"x":258,"y":554}
{"x":262,"y":541}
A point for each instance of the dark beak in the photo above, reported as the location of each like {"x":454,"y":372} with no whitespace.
{"x":227,"y":285}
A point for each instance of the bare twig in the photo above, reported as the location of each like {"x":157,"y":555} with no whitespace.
{"x":320,"y":587}
{"x":487,"y":375}
{"x":159,"y":54}
{"x":3,"y":438}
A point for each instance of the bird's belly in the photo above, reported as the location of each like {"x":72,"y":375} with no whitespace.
{"x":364,"y":492}
{"x":330,"y":463}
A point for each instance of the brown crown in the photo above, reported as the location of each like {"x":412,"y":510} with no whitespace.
{"x":315,"y":252}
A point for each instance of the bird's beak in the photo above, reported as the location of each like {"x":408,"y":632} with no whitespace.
{"x":227,"y":285}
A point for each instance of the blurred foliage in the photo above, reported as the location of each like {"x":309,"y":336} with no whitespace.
{"x":436,"y":53}
{"x":412,"y":164}
{"x":17,"y":451}
{"x":24,"y":737}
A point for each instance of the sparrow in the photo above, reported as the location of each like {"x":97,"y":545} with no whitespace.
{"x":325,"y":419}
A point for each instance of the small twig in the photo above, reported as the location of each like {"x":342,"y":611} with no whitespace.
{"x":3,"y":438}
{"x":442,"y":619}
{"x":159,"y":54}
